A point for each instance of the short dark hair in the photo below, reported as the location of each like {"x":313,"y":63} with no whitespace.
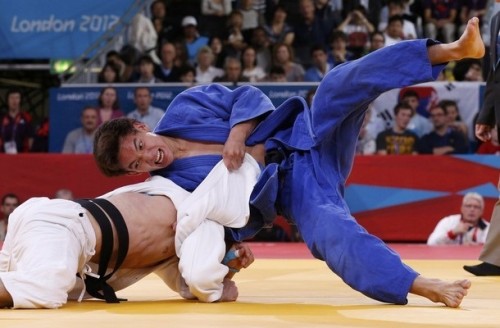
{"x":9,"y":195}
{"x":107,"y":142}
{"x":402,"y":105}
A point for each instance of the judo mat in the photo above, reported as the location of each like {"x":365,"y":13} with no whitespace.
{"x":284,"y":288}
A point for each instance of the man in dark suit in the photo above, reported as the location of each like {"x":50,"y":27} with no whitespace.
{"x":488,"y":116}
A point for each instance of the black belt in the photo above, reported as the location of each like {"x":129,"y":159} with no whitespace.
{"x":103,"y":210}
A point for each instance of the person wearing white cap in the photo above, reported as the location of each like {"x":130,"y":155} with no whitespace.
{"x":192,"y":39}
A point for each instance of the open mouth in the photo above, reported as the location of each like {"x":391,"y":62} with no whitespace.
{"x":159,"y":156}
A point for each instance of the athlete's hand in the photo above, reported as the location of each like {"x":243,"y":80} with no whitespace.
{"x":233,"y":153}
{"x":483,"y":132}
{"x":229,"y":292}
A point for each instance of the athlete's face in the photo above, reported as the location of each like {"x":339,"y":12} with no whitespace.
{"x":144,"y":152}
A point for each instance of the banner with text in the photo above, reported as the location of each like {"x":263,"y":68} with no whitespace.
{"x":42,"y":29}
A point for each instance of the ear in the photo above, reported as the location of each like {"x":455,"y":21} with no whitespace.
{"x":142,"y":127}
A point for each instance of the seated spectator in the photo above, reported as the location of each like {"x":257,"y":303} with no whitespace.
{"x":466,"y":228}
{"x":453,"y":114}
{"x":443,"y":140}
{"x":469,"y":9}
{"x":206,"y":72}
{"x":110,"y":73}
{"x":234,"y":41}
{"x":358,"y":28}
{"x":187,"y":74}
{"x":468,"y":70}
{"x":320,"y":65}
{"x":283,"y":56}
{"x":64,"y":193}
{"x":490,"y":147}
{"x":251,"y":71}
{"x":232,"y":72}
{"x":142,"y":36}
{"x":16,"y":129}
{"x":338,"y":52}
{"x":394,"y":31}
{"x":377,"y":41}
{"x":439,"y":19}
{"x":144,"y":112}
{"x":250,"y":15}
{"x":108,"y":105}
{"x":214,"y":14}
{"x":9,"y":203}
{"x":277,"y":74}
{"x":278,"y":29}
{"x":398,"y":140}
{"x":366,"y":144}
{"x":397,"y":7}
{"x":260,"y":42}
{"x":218,"y":51}
{"x":191,"y":39}
{"x":419,"y":123}
{"x":124,"y":64}
{"x":167,"y":71}
{"x":147,"y":71}
{"x":81,"y":140}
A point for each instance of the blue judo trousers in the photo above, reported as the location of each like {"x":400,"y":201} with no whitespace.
{"x":317,"y":145}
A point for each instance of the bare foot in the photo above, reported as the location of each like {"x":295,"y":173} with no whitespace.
{"x":470,"y":45}
{"x":470,"y":41}
{"x":438,"y":291}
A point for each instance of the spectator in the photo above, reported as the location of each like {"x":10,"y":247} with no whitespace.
{"x":9,"y":203}
{"x":167,"y":71}
{"x":41,"y":139}
{"x":471,"y":8}
{"x":453,"y":115}
{"x":377,"y":41}
{"x":419,"y":123}
{"x":206,"y":72}
{"x":124,"y":65}
{"x":218,"y":51}
{"x":277,"y":74}
{"x":16,"y":129}
{"x":250,"y":15}
{"x":187,"y":74}
{"x":283,"y":56}
{"x":165,"y":27}
{"x":64,"y":193}
{"x":234,"y":40}
{"x":260,"y":42}
{"x":278,"y":29}
{"x":468,"y":70}
{"x":181,"y":54}
{"x":81,"y":140}
{"x":147,"y":71}
{"x":310,"y":95}
{"x":214,"y":15}
{"x":109,"y":107}
{"x":366,"y":144}
{"x":443,"y":140}
{"x":394,"y":32}
{"x":339,"y":53}
{"x":358,"y":29}
{"x":251,"y":71}
{"x":192,"y":40}
{"x":144,"y":112}
{"x":466,"y":228}
{"x":439,"y":19}
{"x":398,"y":140}
{"x":142,"y":36}
{"x":308,"y":30}
{"x":397,"y":7}
{"x":320,"y":65}
{"x":329,"y":14}
{"x":232,"y":72}
{"x":110,"y":73}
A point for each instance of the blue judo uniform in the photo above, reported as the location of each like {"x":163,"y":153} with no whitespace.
{"x":316,"y":147}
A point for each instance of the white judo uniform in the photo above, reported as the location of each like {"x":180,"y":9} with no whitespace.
{"x":50,"y":240}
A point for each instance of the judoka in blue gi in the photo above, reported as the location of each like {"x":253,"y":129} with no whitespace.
{"x":307,"y":157}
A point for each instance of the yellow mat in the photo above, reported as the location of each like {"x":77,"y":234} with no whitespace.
{"x":277,"y":293}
